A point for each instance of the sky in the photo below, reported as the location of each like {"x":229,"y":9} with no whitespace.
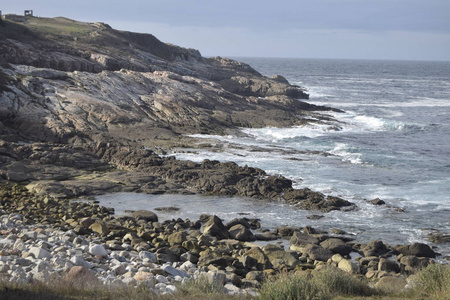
{"x":348,"y":29}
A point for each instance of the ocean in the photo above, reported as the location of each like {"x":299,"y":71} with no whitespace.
{"x":391,"y":142}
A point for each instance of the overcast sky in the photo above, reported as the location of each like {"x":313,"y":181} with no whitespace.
{"x":360,"y":29}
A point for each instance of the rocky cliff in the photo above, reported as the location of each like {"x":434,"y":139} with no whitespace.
{"x":78,"y":98}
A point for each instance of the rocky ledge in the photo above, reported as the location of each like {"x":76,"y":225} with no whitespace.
{"x":86,"y":113}
{"x":43,"y":238}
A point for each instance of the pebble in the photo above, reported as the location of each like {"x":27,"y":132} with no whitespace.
{"x":45,"y":253}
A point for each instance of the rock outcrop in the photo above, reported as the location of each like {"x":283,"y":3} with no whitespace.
{"x":86,"y":113}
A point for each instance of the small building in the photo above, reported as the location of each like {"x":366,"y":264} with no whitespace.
{"x":28,"y":13}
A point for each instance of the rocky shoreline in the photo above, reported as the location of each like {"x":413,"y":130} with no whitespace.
{"x":90,"y":114}
{"x":43,"y":238}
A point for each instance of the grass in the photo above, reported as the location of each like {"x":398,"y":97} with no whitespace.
{"x":291,"y":287}
{"x":433,"y":282}
{"x":62,"y":290}
{"x":328,"y":283}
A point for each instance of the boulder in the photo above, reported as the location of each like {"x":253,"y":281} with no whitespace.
{"x":417,"y":249}
{"x":81,"y":277}
{"x":337,"y":246}
{"x":241,"y":233}
{"x":262,"y":261}
{"x":413,"y":263}
{"x":348,"y":266}
{"x":300,"y":240}
{"x":145,"y":215}
{"x":100,"y":227}
{"x":374,"y":248}
{"x":388,"y":266}
{"x":282,"y":257}
{"x":391,"y":284}
{"x":177,"y":238}
{"x":317,"y":252}
{"x":215,"y":227}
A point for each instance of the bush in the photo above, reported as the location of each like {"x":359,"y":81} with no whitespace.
{"x":291,"y":287}
{"x":336,"y":282}
{"x":433,"y":281}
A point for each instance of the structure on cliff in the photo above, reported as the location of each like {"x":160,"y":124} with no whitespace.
{"x":28,"y":13}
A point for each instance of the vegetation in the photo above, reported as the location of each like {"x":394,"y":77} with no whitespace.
{"x":433,"y":282}
{"x":326,"y":284}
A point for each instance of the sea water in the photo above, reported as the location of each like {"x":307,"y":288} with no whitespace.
{"x":391,"y":142}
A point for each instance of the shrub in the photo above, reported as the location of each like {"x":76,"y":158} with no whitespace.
{"x":433,"y":281}
{"x":336,"y":282}
{"x":291,"y":287}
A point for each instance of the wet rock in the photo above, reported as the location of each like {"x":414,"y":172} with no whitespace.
{"x":377,"y":201}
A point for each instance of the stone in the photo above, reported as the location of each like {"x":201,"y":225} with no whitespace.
{"x":143,"y":276}
{"x":148,"y":255}
{"x":215,"y":227}
{"x":283,"y":257}
{"x":119,"y":269}
{"x":231,"y":289}
{"x":161,"y":279}
{"x":241,"y":233}
{"x":255,"y":275}
{"x":337,"y":246}
{"x":348,"y":266}
{"x":98,"y":250}
{"x":40,"y":253}
{"x":80,"y":276}
{"x":317,"y":252}
{"x":79,"y":261}
{"x":262,"y":261}
{"x":413,"y":263}
{"x":388,"y":265}
{"x":374,"y":248}
{"x":300,"y":240}
{"x":417,"y":249}
{"x":377,"y":201}
{"x":216,"y":278}
{"x":391,"y":284}
{"x":175,"y":272}
{"x":145,"y":215}
{"x":177,"y":238}
{"x":100,"y":227}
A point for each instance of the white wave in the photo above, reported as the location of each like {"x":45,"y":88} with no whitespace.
{"x":342,"y":150}
{"x":419,"y":102}
{"x":272,"y":134}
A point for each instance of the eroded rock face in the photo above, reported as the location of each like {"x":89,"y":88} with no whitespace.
{"x":78,"y":119}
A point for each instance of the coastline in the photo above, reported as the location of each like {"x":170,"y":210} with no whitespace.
{"x":89,"y":121}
